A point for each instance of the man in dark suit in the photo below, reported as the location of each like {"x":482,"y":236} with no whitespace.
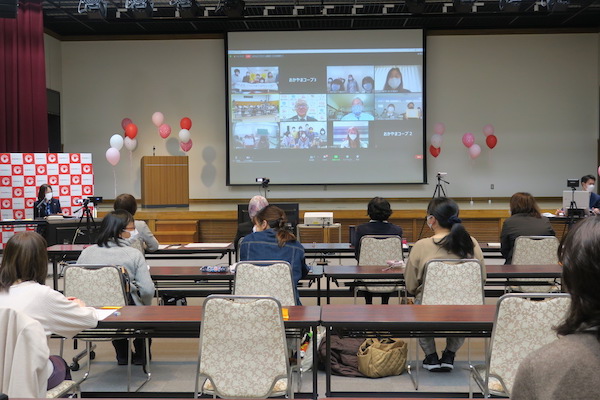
{"x":301,"y":108}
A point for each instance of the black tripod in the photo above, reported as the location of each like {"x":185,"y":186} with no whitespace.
{"x":89,"y":222}
{"x":573,"y":211}
{"x":439,"y":191}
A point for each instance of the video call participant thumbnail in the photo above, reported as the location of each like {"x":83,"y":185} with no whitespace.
{"x":301,"y":108}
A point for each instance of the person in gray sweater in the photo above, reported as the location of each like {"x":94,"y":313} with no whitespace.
{"x":568,"y":367}
{"x":142,"y":232}
{"x":112,"y":249}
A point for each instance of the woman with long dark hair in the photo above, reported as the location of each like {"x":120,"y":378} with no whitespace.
{"x":46,"y":204}
{"x":450,"y":240}
{"x":394,"y":82}
{"x":568,"y":367}
{"x":272,"y":240}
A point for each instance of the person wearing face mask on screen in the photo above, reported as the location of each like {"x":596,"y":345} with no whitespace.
{"x":45,"y":204}
{"x":357,"y":113}
{"x":352,"y":86}
{"x":352,"y":140}
{"x":588,"y":183}
{"x":394,"y":81}
{"x":367,"y":84}
{"x":390,"y":113}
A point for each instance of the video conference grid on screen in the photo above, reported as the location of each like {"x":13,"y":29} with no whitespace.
{"x":328,"y":115}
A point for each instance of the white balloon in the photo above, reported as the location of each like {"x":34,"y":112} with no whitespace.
{"x":436,"y":140}
{"x":184,"y":135}
{"x":116,"y":141}
{"x":130,"y":144}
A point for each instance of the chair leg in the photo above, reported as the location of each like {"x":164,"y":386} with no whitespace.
{"x":415,"y":378}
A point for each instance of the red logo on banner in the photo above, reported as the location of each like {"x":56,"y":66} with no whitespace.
{"x":6,"y":203}
{"x":75,"y":157}
{"x":51,"y":157}
{"x":63,"y":168}
{"x":75,"y":201}
{"x":28,"y":158}
{"x":41,"y":169}
{"x":19,"y":214}
{"x":17,"y":170}
{"x":66,"y":211}
{"x":86,"y":168}
{"x":53,"y":179}
{"x":87,"y":190}
{"x":75,"y":179}
{"x":6,"y":181}
{"x":18,"y":192}
{"x":65,"y":190}
{"x":30,"y":181}
{"x":29,"y":202}
{"x":4,"y":158}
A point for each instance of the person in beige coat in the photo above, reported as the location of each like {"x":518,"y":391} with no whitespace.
{"x":450,"y":240}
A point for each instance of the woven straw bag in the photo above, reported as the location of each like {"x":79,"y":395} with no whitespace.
{"x":378,"y":358}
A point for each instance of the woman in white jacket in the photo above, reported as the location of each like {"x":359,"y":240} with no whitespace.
{"x":23,"y":275}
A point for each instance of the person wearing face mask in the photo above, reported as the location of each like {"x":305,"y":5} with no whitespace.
{"x":450,"y":240}
{"x":394,"y":81}
{"x":329,"y":82}
{"x":352,"y":86}
{"x":112,"y":249}
{"x":357,"y":113}
{"x":588,"y":184}
{"x":352,"y":140}
{"x":390,"y":112}
{"x":273,"y":241}
{"x":367,"y":84}
{"x":337,"y":85}
{"x":288,"y":142}
{"x":525,"y":220}
{"x":46,"y":204}
{"x":142,"y":232}
{"x":303,"y":141}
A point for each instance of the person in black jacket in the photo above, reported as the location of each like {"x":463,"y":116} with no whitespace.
{"x":46,"y":204}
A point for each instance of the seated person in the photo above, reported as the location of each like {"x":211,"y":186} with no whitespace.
{"x":379,"y":211}
{"x":112,"y":248}
{"x":23,"y":288}
{"x":357,"y":113}
{"x":273,"y":241}
{"x":352,"y":140}
{"x":450,"y":240}
{"x":256,"y":204}
{"x":525,"y":220}
{"x":46,"y":204}
{"x":390,"y":112}
{"x":127,"y":202}
{"x":588,"y":184}
{"x":568,"y":367}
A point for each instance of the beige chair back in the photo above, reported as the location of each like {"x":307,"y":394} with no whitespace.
{"x":453,"y":282}
{"x":377,"y":249}
{"x":265,"y":278}
{"x":533,"y":250}
{"x":243,"y":351}
{"x":96,"y":285}
{"x":522,"y":325}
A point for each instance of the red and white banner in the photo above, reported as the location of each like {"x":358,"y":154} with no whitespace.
{"x":71,"y":176}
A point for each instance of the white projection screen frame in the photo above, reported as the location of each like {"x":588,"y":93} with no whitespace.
{"x":326,"y":107}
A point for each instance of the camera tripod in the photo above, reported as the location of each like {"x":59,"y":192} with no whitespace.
{"x":439,"y":191}
{"x":89,"y":222}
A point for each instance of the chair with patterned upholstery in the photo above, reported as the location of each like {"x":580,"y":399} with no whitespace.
{"x":243,"y":352}
{"x":265,"y":278}
{"x":100,"y":286}
{"x":377,"y":250}
{"x":532,"y":250}
{"x":24,"y":357}
{"x":521,"y":326}
{"x":452,"y":282}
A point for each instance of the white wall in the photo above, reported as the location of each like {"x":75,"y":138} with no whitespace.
{"x":539,"y":91}
{"x":52,"y":48}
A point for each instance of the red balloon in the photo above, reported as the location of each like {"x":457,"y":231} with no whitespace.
{"x":491,"y":141}
{"x":435,"y":151}
{"x":125,"y":122}
{"x":185,"y":123}
{"x":131,"y":131}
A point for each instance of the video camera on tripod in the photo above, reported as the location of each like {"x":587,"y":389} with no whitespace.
{"x":91,"y":199}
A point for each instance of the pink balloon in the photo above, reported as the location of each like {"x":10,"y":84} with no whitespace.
{"x":125,"y":122}
{"x":436,"y":140}
{"x":113,"y":156}
{"x":164,"y":131}
{"x":439,"y":128}
{"x":488,"y":130}
{"x":468,"y":139}
{"x":186,"y":146}
{"x":598,"y":170}
{"x":158,"y":118}
{"x":474,"y":151}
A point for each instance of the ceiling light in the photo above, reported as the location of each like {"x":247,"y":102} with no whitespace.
{"x":140,"y":8}
{"x":95,"y":9}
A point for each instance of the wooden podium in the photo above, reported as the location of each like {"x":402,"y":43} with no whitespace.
{"x":165,"y":181}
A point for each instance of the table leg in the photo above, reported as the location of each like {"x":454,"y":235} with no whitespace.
{"x":318,"y":291}
{"x":328,"y":363}
{"x":55,"y":272}
{"x":328,"y":290}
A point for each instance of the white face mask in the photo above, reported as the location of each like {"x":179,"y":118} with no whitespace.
{"x":589,"y":188}
{"x":394,"y":82}
{"x":133,"y":234}
{"x":352,"y":137}
{"x":49,"y":196}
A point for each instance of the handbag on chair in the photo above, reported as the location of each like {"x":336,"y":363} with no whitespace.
{"x":382,"y":357}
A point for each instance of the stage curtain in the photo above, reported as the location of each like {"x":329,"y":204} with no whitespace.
{"x":23,"y":103}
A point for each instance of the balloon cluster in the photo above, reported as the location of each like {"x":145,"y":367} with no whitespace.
{"x":436,"y":139}
{"x":117,"y":141}
{"x":164,"y":130}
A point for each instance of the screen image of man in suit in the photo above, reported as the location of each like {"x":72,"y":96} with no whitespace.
{"x":301,"y":108}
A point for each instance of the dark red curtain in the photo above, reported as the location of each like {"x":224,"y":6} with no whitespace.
{"x":23,"y":104}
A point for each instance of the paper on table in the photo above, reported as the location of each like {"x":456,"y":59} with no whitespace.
{"x":163,"y":246}
{"x":210,"y":245}
{"x":103,"y":314}
{"x":494,"y":245}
